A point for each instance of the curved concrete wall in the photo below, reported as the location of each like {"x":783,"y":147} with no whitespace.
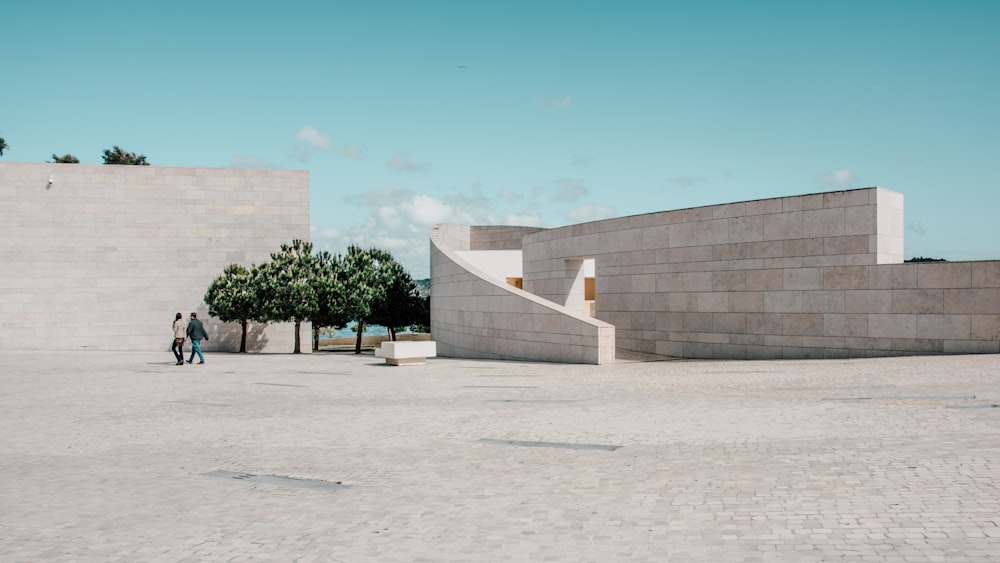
{"x":476,"y":315}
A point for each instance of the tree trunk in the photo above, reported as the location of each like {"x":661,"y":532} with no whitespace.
{"x":243,"y":338}
{"x":298,"y":347}
{"x":315,"y":339}
{"x":392,"y":332}
{"x":357,"y":342}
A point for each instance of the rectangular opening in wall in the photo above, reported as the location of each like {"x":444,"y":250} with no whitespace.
{"x":579,"y":285}
{"x":589,"y":283}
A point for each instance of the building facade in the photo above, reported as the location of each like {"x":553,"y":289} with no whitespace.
{"x":101,"y":257}
{"x":812,"y":276}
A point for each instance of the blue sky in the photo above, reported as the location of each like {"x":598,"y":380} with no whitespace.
{"x":535,"y":113}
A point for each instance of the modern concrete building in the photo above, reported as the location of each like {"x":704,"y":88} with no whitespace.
{"x":99,"y":257}
{"x":812,"y":276}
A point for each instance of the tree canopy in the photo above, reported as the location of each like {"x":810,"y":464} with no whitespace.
{"x":329,"y":288}
{"x":924,"y":259}
{"x":286,"y":286}
{"x":65,"y":159}
{"x":118,"y":155}
{"x":233,"y":298}
{"x":401,"y":304}
{"x":365,"y":275}
{"x":331,"y":291}
{"x":3,"y":146}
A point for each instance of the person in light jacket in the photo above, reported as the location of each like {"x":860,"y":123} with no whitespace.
{"x":196,"y":332}
{"x":180,"y":333}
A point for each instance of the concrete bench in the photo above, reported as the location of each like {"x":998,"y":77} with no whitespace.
{"x":409,"y":352}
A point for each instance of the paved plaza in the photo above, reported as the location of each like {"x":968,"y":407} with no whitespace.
{"x":336,"y":457}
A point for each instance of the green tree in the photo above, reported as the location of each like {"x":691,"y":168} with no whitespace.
{"x":423,"y":324}
{"x":924,"y":259}
{"x":365,"y":274}
{"x":286,"y":286}
{"x":65,"y":159}
{"x":117,"y":155}
{"x":233,"y":298}
{"x":401,"y":304}
{"x":3,"y":146}
{"x":329,"y":290}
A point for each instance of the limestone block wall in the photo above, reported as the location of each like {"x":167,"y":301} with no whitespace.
{"x":104,"y":256}
{"x":809,"y":276}
{"x":475,"y":315}
{"x":856,"y":311}
{"x":498,"y":237}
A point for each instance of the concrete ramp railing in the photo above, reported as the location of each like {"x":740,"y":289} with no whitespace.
{"x":477,"y":315}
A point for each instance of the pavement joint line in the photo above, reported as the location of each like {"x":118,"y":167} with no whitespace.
{"x":927,"y":398}
{"x":729,"y":372}
{"x":280,"y":384}
{"x":314,"y":484}
{"x":500,"y":386}
{"x":560,"y":445}
{"x":531,"y":401}
{"x":833,"y":388}
{"x":201,"y":403}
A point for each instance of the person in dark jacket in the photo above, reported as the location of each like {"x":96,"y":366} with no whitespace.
{"x":196,"y":332}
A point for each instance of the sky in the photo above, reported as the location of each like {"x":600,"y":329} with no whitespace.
{"x":536,"y":113}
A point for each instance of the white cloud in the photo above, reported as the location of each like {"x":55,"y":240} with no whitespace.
{"x":570,"y":190}
{"x":475,"y":203}
{"x":395,"y":245}
{"x":589,"y":212}
{"x":839,"y":178}
{"x":326,"y":232}
{"x":401,"y":227}
{"x":916,"y":227}
{"x":562,"y":102}
{"x":307,"y":140}
{"x":352,"y":152}
{"x":400,"y":163}
{"x":426,"y":210}
{"x":507,"y":195}
{"x":312,"y":137}
{"x":399,"y":219}
{"x":377,"y":196}
{"x":387,"y":214}
{"x":523,"y":219}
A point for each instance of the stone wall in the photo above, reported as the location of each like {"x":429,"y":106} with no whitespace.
{"x":475,"y":315}
{"x":809,"y":276}
{"x":104,"y":256}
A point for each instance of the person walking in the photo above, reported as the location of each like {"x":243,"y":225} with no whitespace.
{"x":196,"y":332}
{"x":180,"y":333}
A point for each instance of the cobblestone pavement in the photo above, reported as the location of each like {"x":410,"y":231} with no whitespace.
{"x":335,"y":457}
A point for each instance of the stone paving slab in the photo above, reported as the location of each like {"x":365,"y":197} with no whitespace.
{"x":337,"y":457}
